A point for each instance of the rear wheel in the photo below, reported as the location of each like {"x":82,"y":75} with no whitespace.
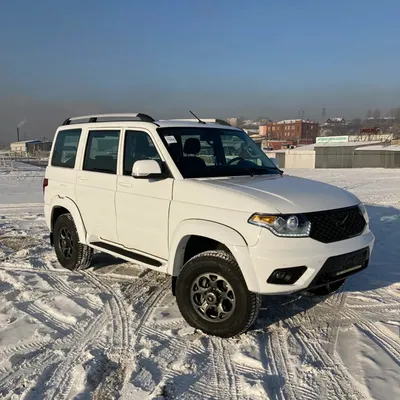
{"x":212,"y":295}
{"x":328,"y":289}
{"x":70,"y":253}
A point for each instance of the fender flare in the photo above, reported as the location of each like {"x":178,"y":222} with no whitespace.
{"x":70,"y":205}
{"x":232,"y":239}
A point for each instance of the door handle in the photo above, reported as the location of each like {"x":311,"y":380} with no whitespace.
{"x":125,"y":184}
{"x":82,"y":178}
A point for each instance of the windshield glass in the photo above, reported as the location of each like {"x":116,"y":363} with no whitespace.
{"x":215,"y":152}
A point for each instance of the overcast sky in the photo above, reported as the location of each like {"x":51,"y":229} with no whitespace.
{"x":219,"y":59}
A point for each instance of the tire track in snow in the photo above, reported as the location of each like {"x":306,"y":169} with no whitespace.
{"x":36,"y":362}
{"x":22,"y":348}
{"x":281,"y":363}
{"x":72,"y":294}
{"x":383,"y":338}
{"x":60,"y":271}
{"x":121,"y":342}
{"x":25,"y":299}
{"x":149,"y":304}
{"x":268,"y":360}
{"x":177,"y":347}
{"x":119,"y":314}
{"x":339,"y":302}
{"x":225,"y":384}
{"x":333,"y":373}
{"x":59,"y":384}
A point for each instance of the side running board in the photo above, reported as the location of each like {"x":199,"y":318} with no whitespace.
{"x":128,"y":254}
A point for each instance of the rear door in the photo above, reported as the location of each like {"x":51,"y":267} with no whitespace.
{"x":142,"y":204}
{"x":97,"y":182}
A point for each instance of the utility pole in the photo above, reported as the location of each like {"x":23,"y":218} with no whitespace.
{"x":323,"y":113}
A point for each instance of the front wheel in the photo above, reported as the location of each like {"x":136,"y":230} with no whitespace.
{"x":212,"y":295}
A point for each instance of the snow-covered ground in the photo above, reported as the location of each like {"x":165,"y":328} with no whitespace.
{"x":114,"y":331}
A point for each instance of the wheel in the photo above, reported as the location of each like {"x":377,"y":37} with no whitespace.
{"x":70,"y":253}
{"x":328,"y":289}
{"x":212,"y":295}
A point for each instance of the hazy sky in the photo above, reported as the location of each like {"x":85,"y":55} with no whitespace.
{"x":218,"y":58}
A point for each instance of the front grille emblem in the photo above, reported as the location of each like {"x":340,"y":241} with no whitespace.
{"x":343,"y":221}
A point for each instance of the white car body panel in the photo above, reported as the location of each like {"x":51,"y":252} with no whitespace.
{"x":95,"y":195}
{"x":286,"y":194}
{"x":142,"y":214}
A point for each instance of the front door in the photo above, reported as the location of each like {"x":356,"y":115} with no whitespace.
{"x":97,"y":182}
{"x":142,"y":204}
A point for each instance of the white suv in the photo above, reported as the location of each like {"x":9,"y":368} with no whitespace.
{"x":202,"y":203}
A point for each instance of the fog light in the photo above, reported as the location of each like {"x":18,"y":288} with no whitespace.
{"x":281,"y":275}
{"x":286,"y":276}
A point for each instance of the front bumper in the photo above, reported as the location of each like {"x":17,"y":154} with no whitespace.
{"x":272,"y":252}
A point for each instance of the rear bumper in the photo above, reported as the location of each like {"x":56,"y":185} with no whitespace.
{"x":325,"y":263}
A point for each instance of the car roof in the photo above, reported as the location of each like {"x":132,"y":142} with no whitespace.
{"x":140,"y":120}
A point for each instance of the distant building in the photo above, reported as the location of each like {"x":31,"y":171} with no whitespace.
{"x":22,"y":147}
{"x":336,"y":120}
{"x":294,"y":130}
{"x":233,"y":121}
{"x":30,"y":146}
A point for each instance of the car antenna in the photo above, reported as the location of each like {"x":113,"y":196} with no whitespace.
{"x":194,"y":115}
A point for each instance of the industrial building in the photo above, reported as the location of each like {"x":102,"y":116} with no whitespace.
{"x":294,"y":130}
{"x":22,"y":146}
{"x":30,"y":146}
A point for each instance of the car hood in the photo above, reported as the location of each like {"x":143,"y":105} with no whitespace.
{"x":288,"y":194}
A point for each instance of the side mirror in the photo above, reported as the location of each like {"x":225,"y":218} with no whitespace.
{"x":275,"y":162}
{"x":146,"y":169}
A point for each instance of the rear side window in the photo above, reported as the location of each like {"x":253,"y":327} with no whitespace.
{"x":102,"y":151}
{"x":65,"y":148}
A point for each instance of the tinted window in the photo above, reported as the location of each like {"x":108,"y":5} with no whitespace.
{"x":102,"y":152}
{"x":138,"y":146}
{"x":65,"y":148}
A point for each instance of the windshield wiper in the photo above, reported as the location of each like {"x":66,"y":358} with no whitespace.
{"x":261,"y":170}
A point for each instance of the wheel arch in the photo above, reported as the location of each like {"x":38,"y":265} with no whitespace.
{"x":225,"y":235}
{"x":60,"y":206}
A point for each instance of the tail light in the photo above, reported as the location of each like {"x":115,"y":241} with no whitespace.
{"x":45,"y":184}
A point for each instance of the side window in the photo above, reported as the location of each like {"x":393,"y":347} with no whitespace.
{"x":138,"y":146}
{"x":102,"y":151}
{"x":65,"y":148}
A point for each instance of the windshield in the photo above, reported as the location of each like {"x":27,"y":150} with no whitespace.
{"x":215,"y":152}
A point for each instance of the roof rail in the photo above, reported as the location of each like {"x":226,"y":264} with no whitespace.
{"x":206,"y":120}
{"x":115,"y":117}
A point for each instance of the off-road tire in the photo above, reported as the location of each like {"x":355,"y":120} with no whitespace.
{"x":247,"y":303}
{"x":327,"y":290}
{"x":81,"y":255}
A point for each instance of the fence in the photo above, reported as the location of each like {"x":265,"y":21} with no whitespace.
{"x":39,"y":158}
{"x":6,"y":164}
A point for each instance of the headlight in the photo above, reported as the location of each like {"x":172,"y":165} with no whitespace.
{"x":364,"y":212}
{"x":283,"y":225}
